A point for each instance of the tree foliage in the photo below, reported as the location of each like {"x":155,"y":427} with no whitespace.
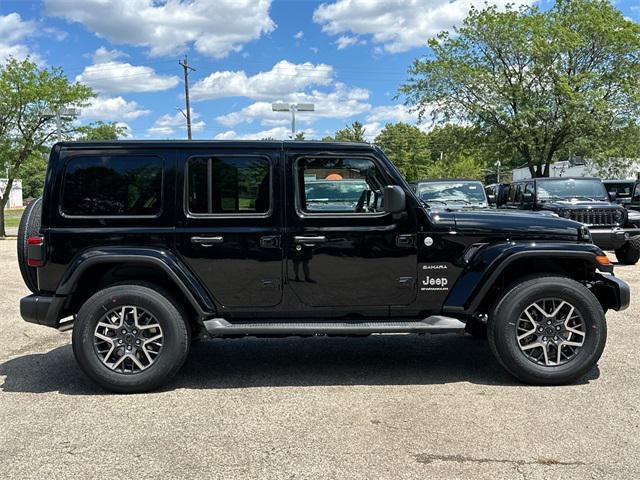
{"x":351,"y":133}
{"x":101,"y":131}
{"x":28,"y":96}
{"x":407,"y":147}
{"x":537,"y":80}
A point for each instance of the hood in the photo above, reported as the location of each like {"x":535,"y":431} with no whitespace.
{"x":517,"y":225}
{"x":577,"y":204}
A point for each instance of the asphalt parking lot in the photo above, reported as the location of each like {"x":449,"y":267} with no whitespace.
{"x":376,"y":407}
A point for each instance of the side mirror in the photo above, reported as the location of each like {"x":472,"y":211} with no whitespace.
{"x":395,"y":200}
{"x":491,"y":199}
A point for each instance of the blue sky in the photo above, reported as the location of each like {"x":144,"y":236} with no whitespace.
{"x":346,"y":56}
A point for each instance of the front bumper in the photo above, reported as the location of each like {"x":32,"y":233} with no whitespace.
{"x":612,"y":238}
{"x":42,"y":309}
{"x":612,"y":292}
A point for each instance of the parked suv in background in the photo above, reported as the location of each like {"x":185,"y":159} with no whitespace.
{"x":453,"y":194}
{"x":497,"y":193}
{"x":586,"y":201}
{"x":624,"y":192}
{"x":140,"y":247}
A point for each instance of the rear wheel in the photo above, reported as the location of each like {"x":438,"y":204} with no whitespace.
{"x":130,"y":338}
{"x":548,"y":330}
{"x":629,"y":253}
{"x":29,"y":227}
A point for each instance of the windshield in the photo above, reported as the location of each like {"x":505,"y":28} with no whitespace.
{"x":451,"y":192}
{"x":338,"y":191}
{"x":590,"y":189}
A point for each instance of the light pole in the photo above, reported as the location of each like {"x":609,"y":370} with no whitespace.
{"x":59,"y":115}
{"x":293,"y":108}
{"x":498,"y":165}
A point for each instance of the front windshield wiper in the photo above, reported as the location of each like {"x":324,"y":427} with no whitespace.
{"x":426,"y":203}
{"x":466,"y":202}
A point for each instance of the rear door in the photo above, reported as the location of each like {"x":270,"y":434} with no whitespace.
{"x":230,"y":228}
{"x":343,"y":252}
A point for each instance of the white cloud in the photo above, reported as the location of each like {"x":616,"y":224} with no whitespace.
{"x":110,"y":76}
{"x":347,"y":41}
{"x":167,"y":124}
{"x":342,"y":102}
{"x":284,"y":78}
{"x":299,"y":35}
{"x":398,"y":25}
{"x":277,"y":133}
{"x":115,"y":109}
{"x":13,"y":31}
{"x":392,"y":113}
{"x":214,"y":27}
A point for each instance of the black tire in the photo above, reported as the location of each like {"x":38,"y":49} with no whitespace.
{"x":629,"y":253}
{"x":503,"y":339}
{"x":170,"y":317}
{"x":29,"y":227}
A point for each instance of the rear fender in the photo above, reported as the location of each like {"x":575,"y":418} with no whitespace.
{"x":163,"y":260}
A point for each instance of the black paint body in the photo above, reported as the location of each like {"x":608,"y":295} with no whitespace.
{"x":371,"y":266}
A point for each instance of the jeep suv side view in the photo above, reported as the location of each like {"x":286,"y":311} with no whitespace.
{"x":141,"y":247}
{"x":585,"y":200}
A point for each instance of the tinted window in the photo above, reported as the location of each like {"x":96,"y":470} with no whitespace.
{"x":622,"y":190}
{"x":571,"y":188}
{"x":340,"y":185}
{"x":228,"y":185}
{"x":112,"y":185}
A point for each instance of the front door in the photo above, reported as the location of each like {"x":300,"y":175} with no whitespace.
{"x":343,"y":251}
{"x":230,"y":229}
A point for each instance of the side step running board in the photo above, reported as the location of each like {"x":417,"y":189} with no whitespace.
{"x":433,"y":324}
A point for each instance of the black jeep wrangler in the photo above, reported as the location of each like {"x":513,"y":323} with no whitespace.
{"x":141,"y":247}
{"x":624,"y":192}
{"x":585,"y":200}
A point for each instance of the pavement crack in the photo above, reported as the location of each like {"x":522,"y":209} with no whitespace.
{"x":426,"y":458}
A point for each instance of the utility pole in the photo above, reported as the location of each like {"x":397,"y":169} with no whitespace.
{"x":293,"y":108}
{"x":185,"y":65}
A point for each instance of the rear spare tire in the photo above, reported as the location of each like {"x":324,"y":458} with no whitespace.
{"x":29,"y":227}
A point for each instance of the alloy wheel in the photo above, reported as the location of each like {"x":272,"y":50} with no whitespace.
{"x":128,"y":339}
{"x":550,"y":332}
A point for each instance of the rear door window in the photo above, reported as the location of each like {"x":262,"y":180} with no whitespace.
{"x":112,"y":185}
{"x":228,"y":185}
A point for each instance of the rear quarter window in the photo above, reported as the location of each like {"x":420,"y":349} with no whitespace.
{"x":111,"y":185}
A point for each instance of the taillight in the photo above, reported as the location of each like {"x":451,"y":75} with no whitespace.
{"x":35,"y":251}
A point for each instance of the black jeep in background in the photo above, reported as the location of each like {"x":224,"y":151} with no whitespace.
{"x":584,"y":200}
{"x":140,"y":247}
{"x":624,"y":192}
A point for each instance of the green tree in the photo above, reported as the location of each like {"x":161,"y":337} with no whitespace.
{"x":33,"y":172}
{"x":299,"y":136}
{"x":28,"y":95}
{"x":407,"y":147}
{"x":351,"y":133}
{"x":101,"y":131}
{"x":539,"y":81}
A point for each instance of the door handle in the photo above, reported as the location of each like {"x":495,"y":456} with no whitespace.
{"x":207,"y":241}
{"x":310,"y":240}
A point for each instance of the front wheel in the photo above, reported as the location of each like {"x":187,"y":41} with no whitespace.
{"x":547,"y":330}
{"x":130,"y":338}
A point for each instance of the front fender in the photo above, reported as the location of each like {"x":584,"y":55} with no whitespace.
{"x":484,"y":268}
{"x":166,"y":261}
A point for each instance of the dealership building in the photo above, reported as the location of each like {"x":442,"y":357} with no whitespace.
{"x":15,"y":199}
